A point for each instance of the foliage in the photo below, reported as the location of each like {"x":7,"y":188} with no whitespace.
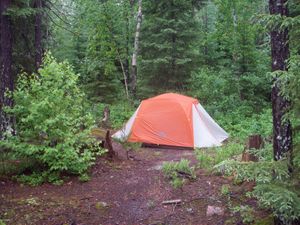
{"x":168,"y":54}
{"x":225,"y":189}
{"x":173,"y":170}
{"x":205,"y":160}
{"x":99,"y":46}
{"x":38,"y":178}
{"x":255,"y":171}
{"x":52,"y":121}
{"x":119,"y":113}
{"x":84,"y":177}
{"x":273,"y":190}
{"x":246,"y":212}
{"x":284,"y":202}
{"x":208,"y":158}
{"x":290,"y":87}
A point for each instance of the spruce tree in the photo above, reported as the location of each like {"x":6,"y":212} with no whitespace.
{"x":167,"y":43}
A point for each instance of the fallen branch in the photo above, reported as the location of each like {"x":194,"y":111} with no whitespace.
{"x":168,"y":202}
{"x":184,"y":174}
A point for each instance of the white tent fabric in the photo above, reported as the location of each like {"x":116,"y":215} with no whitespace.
{"x":207,"y":133}
{"x":124,"y":133}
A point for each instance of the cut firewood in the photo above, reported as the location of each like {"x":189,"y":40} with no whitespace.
{"x":168,"y":202}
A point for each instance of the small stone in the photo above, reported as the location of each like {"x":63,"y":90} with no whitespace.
{"x":214,"y":210}
{"x":190,"y":210}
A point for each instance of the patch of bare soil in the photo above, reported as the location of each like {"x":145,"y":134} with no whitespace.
{"x":119,"y":192}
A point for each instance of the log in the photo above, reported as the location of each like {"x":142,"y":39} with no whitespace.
{"x":168,"y":202}
{"x":256,"y":142}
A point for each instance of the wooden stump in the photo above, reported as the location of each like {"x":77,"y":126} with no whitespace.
{"x":105,"y":123}
{"x":108,"y":145}
{"x":256,"y":142}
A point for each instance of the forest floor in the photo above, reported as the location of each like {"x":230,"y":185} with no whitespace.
{"x":123,"y":192}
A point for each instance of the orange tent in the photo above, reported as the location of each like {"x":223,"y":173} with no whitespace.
{"x":174,"y":120}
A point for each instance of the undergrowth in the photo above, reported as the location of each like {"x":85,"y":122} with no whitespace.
{"x":207,"y":158}
{"x":178,"y":172}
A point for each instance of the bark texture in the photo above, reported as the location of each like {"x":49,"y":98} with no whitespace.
{"x":133,"y":76}
{"x":6,"y":78}
{"x":38,"y":34}
{"x":282,"y":132}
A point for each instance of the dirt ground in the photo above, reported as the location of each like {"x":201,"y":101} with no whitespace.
{"x":121,"y":192}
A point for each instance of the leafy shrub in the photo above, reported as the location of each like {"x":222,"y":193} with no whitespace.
{"x":204,"y":159}
{"x":284,"y":202}
{"x":178,"y":171}
{"x":240,"y":125}
{"x":225,"y":189}
{"x":261,"y":172}
{"x":273,"y":191}
{"x":210,"y":157}
{"x":52,"y":121}
{"x":246,"y":212}
{"x":227,"y":151}
{"x":84,"y":177}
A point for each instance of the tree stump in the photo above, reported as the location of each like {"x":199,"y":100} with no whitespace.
{"x":256,"y":142}
{"x":108,"y":145}
{"x":105,"y":123}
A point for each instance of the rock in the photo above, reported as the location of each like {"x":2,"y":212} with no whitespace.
{"x":214,"y":210}
{"x":190,"y":210}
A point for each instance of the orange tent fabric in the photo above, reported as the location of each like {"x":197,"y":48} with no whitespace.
{"x":174,"y":120}
{"x":165,"y":120}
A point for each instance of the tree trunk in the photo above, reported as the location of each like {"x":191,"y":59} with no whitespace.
{"x":6,"y":78}
{"x":38,"y":34}
{"x":256,"y":142}
{"x":133,"y":76}
{"x":282,"y":132}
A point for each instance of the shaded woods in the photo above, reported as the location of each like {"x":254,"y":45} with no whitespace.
{"x":63,"y":62}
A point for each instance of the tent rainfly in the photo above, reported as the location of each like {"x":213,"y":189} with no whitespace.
{"x":174,"y":120}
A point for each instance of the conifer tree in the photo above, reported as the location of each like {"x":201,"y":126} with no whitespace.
{"x":168,"y":40}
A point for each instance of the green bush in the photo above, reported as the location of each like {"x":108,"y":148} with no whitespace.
{"x":210,"y":157}
{"x":52,"y":123}
{"x":177,"y":172}
{"x":273,"y":190}
{"x":246,"y":212}
{"x":205,"y":160}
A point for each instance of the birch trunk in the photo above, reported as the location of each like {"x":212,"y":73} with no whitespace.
{"x":135,"y":50}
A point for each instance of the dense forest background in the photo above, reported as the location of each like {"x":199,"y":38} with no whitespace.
{"x":79,"y":56}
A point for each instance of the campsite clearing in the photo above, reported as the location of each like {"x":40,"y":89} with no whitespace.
{"x":123,"y":192}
